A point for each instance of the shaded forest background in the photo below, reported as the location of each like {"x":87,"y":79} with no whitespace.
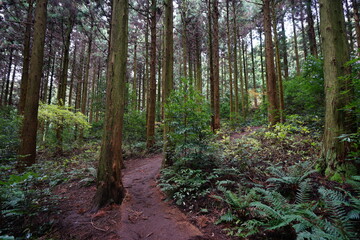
{"x":253,"y":104}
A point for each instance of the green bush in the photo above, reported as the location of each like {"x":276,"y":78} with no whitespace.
{"x":9,"y":133}
{"x":188,"y":118}
{"x":305,"y":93}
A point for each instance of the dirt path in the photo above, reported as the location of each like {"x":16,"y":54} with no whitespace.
{"x":142,"y":215}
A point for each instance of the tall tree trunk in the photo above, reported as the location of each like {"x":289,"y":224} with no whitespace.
{"x":72,"y":76}
{"x":109,"y":184}
{"x":134,"y":89}
{"x":284,"y":49}
{"x":26,"y":58}
{"x":84,"y":95}
{"x":232,"y":107}
{"x":63,"y":78}
{"x":356,"y":5}
{"x":52,"y":79}
{"x":8,"y":77}
{"x":303,"y":35}
{"x":44,"y":95}
{"x":215,"y":49}
{"x":253,"y":69}
{"x":236,"y":72}
{"x":168,"y":71}
{"x":296,"y":48}
{"x":349,"y":27}
{"x":199,"y":82}
{"x":311,"y":30}
{"x":27,"y":150}
{"x":92,"y":96}
{"x":335,"y":49}
{"x":273,"y":109}
{"x":150,"y":128}
{"x":10,"y":100}
{"x":262,"y":68}
{"x":246,"y":80}
{"x":278,"y":68}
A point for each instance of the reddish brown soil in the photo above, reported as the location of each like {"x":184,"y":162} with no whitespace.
{"x":143,"y":214}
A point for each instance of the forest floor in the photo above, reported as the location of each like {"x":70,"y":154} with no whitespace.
{"x":143,"y":214}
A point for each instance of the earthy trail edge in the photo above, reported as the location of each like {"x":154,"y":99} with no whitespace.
{"x":144,"y":215}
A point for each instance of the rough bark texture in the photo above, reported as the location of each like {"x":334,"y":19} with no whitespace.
{"x":236,"y":72}
{"x":273,"y":109}
{"x":335,"y":51}
{"x":296,"y":48}
{"x":253,"y":70}
{"x":278,"y":68}
{"x":150,"y":128}
{"x":310,"y":29}
{"x":232,"y":107}
{"x":109,"y":183}
{"x":27,"y":150}
{"x":168,"y":69}
{"x":356,"y":5}
{"x":215,"y":49}
{"x":26,"y":58}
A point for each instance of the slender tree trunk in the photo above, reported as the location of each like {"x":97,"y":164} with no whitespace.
{"x":109,"y":184}
{"x":150,"y":128}
{"x":262,"y":68}
{"x":302,"y":17}
{"x":236,"y":72}
{"x":296,"y":48}
{"x":10,"y":100}
{"x":26,"y":58}
{"x":273,"y":109}
{"x":134,"y":90}
{"x":278,"y":68}
{"x":27,"y":150}
{"x":63,"y":79}
{"x":242,"y":84}
{"x":8,"y":77}
{"x":199,"y":82}
{"x":356,"y":5}
{"x":92,"y":96}
{"x":335,"y":49}
{"x":46,"y":79}
{"x":246,"y":80}
{"x":52,"y":79}
{"x":253,"y":70}
{"x":168,"y":73}
{"x":72,"y":76}
{"x":232,"y":107}
{"x":311,"y":30}
{"x":84,"y":95}
{"x":215,"y":49}
{"x":284,"y":49}
{"x":349,"y":27}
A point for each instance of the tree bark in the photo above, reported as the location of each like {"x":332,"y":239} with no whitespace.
{"x":311,"y":30}
{"x":273,"y":109}
{"x":232,"y":107}
{"x":72,"y":76}
{"x":150,"y":128}
{"x":296,"y":48}
{"x":215,"y":49}
{"x":356,"y":5}
{"x":26,"y":58}
{"x":236,"y":72}
{"x":109,"y":184}
{"x":27,"y":150}
{"x":253,"y":70}
{"x":336,"y":54}
{"x":168,"y":71}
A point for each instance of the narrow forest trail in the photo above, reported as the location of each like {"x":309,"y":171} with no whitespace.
{"x":144,"y":214}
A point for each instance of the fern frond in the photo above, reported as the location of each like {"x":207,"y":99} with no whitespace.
{"x":303,"y":192}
